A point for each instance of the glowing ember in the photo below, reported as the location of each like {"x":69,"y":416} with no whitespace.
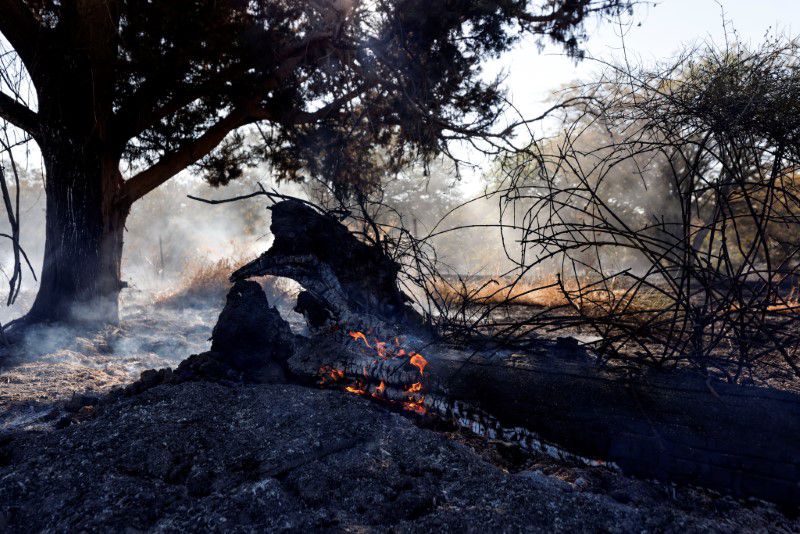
{"x":418,"y":361}
{"x":415,"y":388}
{"x":329,"y":374}
{"x":337,"y":374}
{"x":416,"y":407}
{"x":414,"y":402}
{"x":361,"y":336}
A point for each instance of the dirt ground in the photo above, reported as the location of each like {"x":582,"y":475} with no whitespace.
{"x":206,"y":457}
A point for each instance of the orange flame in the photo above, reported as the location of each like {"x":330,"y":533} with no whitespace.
{"x":329,"y":374}
{"x":361,"y":336}
{"x":415,"y":402}
{"x":418,"y":361}
{"x":337,"y":374}
{"x":414,"y":388}
{"x":416,"y":407}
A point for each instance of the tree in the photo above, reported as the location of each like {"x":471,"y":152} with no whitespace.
{"x":162,"y":86}
{"x":708,"y":239}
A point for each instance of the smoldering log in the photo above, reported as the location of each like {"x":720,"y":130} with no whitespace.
{"x":674,"y":427}
{"x":348,"y":279}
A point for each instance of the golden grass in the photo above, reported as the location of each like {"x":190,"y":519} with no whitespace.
{"x":208,"y":282}
{"x":548,"y":293}
{"x":201,"y":282}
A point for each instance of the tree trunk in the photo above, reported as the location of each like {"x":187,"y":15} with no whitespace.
{"x":84,"y":226}
{"x":85,"y":216}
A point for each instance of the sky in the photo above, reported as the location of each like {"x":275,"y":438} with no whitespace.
{"x":657,"y":31}
{"x":651,"y":34}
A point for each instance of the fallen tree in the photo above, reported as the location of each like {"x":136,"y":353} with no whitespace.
{"x":677,"y":426}
{"x":344,"y":278}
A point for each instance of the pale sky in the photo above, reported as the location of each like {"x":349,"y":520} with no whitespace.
{"x":663,"y":31}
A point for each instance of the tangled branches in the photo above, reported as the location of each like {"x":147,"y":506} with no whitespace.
{"x":670,"y":207}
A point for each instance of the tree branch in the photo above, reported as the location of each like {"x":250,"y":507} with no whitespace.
{"x":174,"y":162}
{"x":19,"y":115}
{"x":19,"y":26}
{"x":143,"y":111}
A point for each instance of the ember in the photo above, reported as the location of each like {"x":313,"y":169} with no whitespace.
{"x":415,"y":388}
{"x":329,"y":374}
{"x":361,"y":336}
{"x":384,"y":350}
{"x":415,"y":406}
{"x":418,"y":361}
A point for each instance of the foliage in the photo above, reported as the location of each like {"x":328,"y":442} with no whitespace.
{"x":330,"y":82}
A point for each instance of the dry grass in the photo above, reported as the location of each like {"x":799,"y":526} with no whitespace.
{"x":201,"y":283}
{"x":207,"y":282}
{"x":497,"y":291}
{"x":582,"y":295}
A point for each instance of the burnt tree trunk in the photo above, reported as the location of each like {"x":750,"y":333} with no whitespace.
{"x":671,"y":426}
{"x":86,"y":214}
{"x":84,"y":227}
{"x":676,"y":427}
{"x":346,"y":279}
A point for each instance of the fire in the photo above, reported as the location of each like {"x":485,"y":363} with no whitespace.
{"x":416,"y":406}
{"x":361,"y":336}
{"x":329,"y":374}
{"x":414,"y":402}
{"x":418,"y":361}
{"x":415,"y":388}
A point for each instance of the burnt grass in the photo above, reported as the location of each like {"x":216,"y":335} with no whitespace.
{"x":202,"y":456}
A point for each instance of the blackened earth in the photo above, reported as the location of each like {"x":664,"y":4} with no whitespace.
{"x":201,"y":456}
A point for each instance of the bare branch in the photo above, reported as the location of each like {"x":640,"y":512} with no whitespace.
{"x":19,"y":115}
{"x":174,"y":162}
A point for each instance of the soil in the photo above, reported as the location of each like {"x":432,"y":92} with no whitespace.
{"x":206,"y":457}
{"x":203,"y":456}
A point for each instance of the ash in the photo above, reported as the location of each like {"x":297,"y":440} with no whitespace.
{"x":202,"y":456}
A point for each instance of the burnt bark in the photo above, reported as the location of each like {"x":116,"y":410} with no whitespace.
{"x":342,"y":275}
{"x":84,"y":226}
{"x":251,"y":336}
{"x":671,"y":426}
{"x":86,"y":212}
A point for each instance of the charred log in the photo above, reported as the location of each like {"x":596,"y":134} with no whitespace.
{"x":251,"y":342}
{"x":250,"y":335}
{"x":348,"y":278}
{"x":313,"y":309}
{"x":675,"y":427}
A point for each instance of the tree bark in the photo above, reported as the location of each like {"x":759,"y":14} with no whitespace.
{"x":672,"y":426}
{"x":84,"y":227}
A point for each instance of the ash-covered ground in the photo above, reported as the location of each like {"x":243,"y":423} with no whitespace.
{"x":208,"y":457}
